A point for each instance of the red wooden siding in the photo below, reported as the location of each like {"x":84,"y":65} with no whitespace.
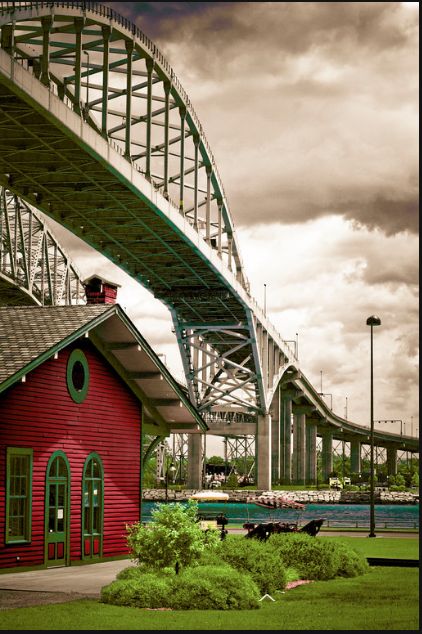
{"x":40,"y":414}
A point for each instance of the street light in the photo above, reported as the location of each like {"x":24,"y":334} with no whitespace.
{"x":394,"y":420}
{"x":372,"y":321}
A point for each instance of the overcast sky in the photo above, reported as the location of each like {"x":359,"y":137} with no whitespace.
{"x":311,"y":111}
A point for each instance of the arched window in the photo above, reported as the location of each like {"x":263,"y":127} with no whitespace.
{"x":57,"y":510}
{"x":92,"y":507}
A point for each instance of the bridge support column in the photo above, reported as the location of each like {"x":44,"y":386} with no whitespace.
{"x":194,"y":475}
{"x":327,"y":454}
{"x":263,"y":452}
{"x":311,"y":454}
{"x":299,"y":448}
{"x":391,"y":461}
{"x":285,"y":439}
{"x":275,"y":438}
{"x":355,"y":458}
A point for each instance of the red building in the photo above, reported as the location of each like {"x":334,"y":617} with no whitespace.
{"x":79,"y":390}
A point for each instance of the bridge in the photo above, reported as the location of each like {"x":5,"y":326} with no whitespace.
{"x":34,"y":268}
{"x":97,"y":132}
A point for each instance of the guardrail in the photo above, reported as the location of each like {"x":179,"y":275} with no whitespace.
{"x":363,"y":524}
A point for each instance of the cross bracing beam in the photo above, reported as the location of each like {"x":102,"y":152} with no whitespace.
{"x":33,"y":266}
{"x":81,"y":91}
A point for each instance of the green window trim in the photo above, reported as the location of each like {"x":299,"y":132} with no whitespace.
{"x":77,"y":361}
{"x":18,"y":495}
{"x":51,"y":478}
{"x":92,"y":524}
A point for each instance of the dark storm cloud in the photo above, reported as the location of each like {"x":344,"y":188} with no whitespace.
{"x":302,"y":24}
{"x":319,"y":100}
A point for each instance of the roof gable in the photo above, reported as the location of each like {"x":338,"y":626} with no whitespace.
{"x":28,"y":333}
{"x":32,"y":334}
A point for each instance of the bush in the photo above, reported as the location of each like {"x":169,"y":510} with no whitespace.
{"x":257,"y":559}
{"x":198,"y":588}
{"x":213,"y":588}
{"x":136,"y":572}
{"x":352,"y":563}
{"x":318,"y":559}
{"x":292,"y":575}
{"x":147,"y":591}
{"x":173,"y":538}
{"x":313,"y":559}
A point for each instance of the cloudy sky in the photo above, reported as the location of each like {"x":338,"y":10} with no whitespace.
{"x":311,"y":111}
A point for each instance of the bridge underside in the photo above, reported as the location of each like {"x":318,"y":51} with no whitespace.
{"x":47,"y":168}
{"x":13,"y":295}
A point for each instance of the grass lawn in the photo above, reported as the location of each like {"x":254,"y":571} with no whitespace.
{"x":394,"y":547}
{"x":384,"y":599}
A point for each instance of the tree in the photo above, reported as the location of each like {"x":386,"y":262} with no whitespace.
{"x":415,"y":480}
{"x":232,"y":481}
{"x":173,"y":538}
{"x":216,"y":460}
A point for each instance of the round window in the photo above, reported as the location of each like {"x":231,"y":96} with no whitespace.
{"x":77,"y":376}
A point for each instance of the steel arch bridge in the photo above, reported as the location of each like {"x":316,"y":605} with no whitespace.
{"x":98,"y":133}
{"x":33,"y":266}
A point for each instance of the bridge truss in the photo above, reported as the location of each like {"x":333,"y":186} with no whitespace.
{"x":33,"y":265}
{"x":91,"y":61}
{"x":97,"y":132}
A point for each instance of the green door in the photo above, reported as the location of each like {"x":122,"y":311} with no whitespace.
{"x":92,"y":511}
{"x":57,"y":511}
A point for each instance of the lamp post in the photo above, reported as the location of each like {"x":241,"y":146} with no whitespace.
{"x":372,"y":321}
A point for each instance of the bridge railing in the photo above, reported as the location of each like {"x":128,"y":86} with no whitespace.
{"x":156,"y":54}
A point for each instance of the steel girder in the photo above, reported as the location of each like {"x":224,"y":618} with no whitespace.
{"x":240,"y":448}
{"x":97,"y":132}
{"x":104,"y":70}
{"x":33,"y":266}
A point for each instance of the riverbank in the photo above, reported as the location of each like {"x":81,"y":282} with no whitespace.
{"x":323,"y":496}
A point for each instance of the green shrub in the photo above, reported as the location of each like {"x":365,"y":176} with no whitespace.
{"x":173,"y":538}
{"x":196,"y":588}
{"x":213,"y":588}
{"x":147,"y":591}
{"x":136,"y":572}
{"x":312,"y":558}
{"x":318,"y":559}
{"x":352,"y":563}
{"x":256,"y":558}
{"x":292,"y":575}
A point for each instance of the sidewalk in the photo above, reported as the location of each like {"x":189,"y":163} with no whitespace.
{"x":84,"y":580}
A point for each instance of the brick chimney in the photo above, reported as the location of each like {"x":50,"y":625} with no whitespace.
{"x":100,"y":291}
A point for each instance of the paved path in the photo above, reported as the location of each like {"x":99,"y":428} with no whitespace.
{"x":86,"y":580}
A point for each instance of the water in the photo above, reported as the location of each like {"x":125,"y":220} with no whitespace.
{"x":353,"y":515}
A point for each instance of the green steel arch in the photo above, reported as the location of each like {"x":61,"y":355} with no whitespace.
{"x":97,"y":132}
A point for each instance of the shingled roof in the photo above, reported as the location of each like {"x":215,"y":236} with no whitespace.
{"x":26,"y":332}
{"x":29,"y":335}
